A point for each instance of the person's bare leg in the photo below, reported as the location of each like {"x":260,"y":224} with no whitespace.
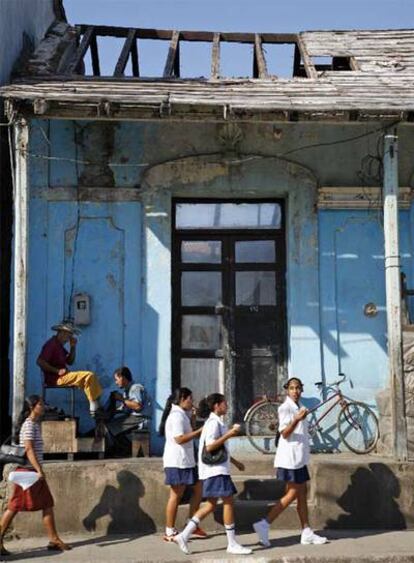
{"x":176,"y":493}
{"x":302,"y":506}
{"x":196,"y":498}
{"x":49,"y":524}
{"x":6,"y":520}
{"x":290,"y":495}
{"x":228,"y":511}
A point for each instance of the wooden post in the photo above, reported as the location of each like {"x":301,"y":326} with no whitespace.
{"x":20,"y":267}
{"x":393,"y":297}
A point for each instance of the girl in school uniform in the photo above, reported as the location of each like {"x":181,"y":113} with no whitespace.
{"x":178,"y":459}
{"x":216,"y":478}
{"x":291,"y":460}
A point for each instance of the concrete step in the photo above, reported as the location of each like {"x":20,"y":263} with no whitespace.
{"x":129,"y":495}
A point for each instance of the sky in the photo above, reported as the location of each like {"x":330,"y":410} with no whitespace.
{"x":276,"y":16}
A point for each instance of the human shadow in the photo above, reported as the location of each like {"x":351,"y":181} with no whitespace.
{"x":370,"y":502}
{"x":122,"y":505}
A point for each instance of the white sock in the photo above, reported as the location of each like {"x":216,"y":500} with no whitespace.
{"x":169,"y":531}
{"x":189,"y":529}
{"x":93,"y":406}
{"x":307,"y":531}
{"x":231,"y":534}
{"x":265,"y":522}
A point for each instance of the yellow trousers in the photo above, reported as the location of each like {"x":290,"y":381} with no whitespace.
{"x":86,"y":380}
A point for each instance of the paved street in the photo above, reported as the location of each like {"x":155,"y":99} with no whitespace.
{"x":345,"y":546}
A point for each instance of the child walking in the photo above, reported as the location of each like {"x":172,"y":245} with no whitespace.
{"x":292,"y":457}
{"x":178,"y":459}
{"x":216,"y":478}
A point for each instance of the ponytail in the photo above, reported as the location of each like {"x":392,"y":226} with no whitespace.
{"x":174,"y":399}
{"x":29,"y":404}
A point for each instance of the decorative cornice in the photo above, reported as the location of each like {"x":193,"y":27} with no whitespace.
{"x":360,"y":197}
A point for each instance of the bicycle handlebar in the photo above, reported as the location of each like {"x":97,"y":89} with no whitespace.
{"x":332,"y":383}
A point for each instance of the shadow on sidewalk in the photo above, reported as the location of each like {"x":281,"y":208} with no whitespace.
{"x":122,"y":505}
{"x":370,"y":502}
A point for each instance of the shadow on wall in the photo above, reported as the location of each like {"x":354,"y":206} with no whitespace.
{"x":370,"y":500}
{"x":122,"y":505}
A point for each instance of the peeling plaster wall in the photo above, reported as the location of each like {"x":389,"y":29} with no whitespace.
{"x":21,"y":22}
{"x":156,"y":162}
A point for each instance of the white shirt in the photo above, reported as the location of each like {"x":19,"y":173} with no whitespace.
{"x":178,"y":455}
{"x":213,"y":429}
{"x":292,"y":452}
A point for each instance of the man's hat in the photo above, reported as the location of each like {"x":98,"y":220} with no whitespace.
{"x":66,"y":326}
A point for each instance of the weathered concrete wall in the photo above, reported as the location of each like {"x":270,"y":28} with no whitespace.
{"x":128,"y":496}
{"x":127,"y":175}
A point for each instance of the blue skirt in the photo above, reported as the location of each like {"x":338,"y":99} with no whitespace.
{"x":298,"y":476}
{"x":179,"y":476}
{"x":218,"y":487}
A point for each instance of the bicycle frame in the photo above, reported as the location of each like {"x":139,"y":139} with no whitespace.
{"x":339,"y":401}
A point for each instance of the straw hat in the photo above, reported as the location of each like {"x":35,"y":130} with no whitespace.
{"x":66,"y":326}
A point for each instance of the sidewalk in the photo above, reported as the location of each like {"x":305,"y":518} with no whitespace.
{"x":345,"y":547}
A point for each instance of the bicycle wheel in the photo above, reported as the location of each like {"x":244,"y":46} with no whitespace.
{"x":358,"y":427}
{"x":261,"y":426}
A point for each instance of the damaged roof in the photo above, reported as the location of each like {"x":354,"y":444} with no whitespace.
{"x":340,"y":75}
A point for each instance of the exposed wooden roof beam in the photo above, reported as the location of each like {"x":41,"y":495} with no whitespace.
{"x":88,"y":33}
{"x":215,"y":56}
{"x":307,"y":62}
{"x":259,"y":61}
{"x":172,"y":65}
{"x":126,"y":51}
{"x":95,"y":56}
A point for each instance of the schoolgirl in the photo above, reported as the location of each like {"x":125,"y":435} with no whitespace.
{"x":291,"y":460}
{"x":216,"y":478}
{"x":178,"y":459}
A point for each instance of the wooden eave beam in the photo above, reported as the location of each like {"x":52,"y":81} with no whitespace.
{"x":259,"y":61}
{"x":172,"y":64}
{"x":126,"y":51}
{"x":88,"y":33}
{"x":215,"y":57}
{"x":203,"y":36}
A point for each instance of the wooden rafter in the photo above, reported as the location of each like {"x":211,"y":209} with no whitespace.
{"x":215,"y":56}
{"x":172,"y":65}
{"x":307,"y":63}
{"x":125,"y":53}
{"x":95,"y":56}
{"x":259,"y":61}
{"x":88,"y":33}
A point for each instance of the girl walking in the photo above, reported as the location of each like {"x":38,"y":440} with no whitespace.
{"x":216,"y":478}
{"x":178,"y":459}
{"x":292,"y":457}
{"x":38,"y":496}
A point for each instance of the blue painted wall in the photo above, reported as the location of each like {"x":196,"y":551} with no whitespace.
{"x":119,"y":252}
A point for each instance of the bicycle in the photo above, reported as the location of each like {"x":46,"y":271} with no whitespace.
{"x":262,"y":423}
{"x":357,"y":423}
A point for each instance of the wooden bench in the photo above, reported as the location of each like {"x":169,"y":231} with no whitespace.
{"x":59,"y":437}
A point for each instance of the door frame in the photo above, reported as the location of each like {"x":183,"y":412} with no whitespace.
{"x":205,"y":234}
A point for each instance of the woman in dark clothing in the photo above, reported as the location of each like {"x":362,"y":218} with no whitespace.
{"x":38,"y":496}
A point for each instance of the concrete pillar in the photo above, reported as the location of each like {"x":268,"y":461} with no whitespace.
{"x":393,"y":297}
{"x":20,"y":248}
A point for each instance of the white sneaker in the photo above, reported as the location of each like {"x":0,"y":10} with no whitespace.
{"x":182,"y":544}
{"x":237,"y":549}
{"x":262,"y":530}
{"x":312,"y":538}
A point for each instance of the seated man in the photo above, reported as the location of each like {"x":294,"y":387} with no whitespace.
{"x":125,"y":409}
{"x":54,"y":359}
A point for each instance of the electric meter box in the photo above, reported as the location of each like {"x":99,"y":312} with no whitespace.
{"x":82,"y":309}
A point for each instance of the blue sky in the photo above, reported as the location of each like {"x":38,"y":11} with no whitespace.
{"x":232,"y":15}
